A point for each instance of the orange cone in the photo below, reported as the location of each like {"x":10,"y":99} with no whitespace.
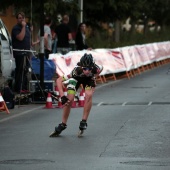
{"x":81,"y":98}
{"x":3,"y":106}
{"x":65,"y":91}
{"x":56,"y":91}
{"x":49,"y":102}
{"x":59,"y":100}
{"x":83,"y":92}
{"x":59,"y":103}
{"x":74,"y":103}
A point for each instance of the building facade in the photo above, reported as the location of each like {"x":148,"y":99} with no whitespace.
{"x":8,"y":17}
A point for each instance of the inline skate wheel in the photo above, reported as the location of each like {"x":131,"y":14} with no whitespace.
{"x":80,"y":133}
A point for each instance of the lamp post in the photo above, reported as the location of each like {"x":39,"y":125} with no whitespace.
{"x":81,"y":10}
{"x":41,"y":54}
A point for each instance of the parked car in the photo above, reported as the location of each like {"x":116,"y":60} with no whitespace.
{"x":7,"y":61}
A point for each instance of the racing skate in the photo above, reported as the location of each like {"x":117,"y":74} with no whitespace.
{"x":58,"y":130}
{"x":82,"y":127}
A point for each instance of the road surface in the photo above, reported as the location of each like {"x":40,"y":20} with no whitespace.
{"x":128,"y":129}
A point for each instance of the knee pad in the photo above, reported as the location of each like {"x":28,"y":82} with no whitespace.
{"x":72,"y":84}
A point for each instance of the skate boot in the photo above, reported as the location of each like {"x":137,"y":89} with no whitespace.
{"x":82,"y":127}
{"x":58,"y":129}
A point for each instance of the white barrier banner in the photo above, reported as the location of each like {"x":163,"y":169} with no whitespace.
{"x":151,"y":52}
{"x":142,"y":54}
{"x":128,"y":58}
{"x":115,"y":60}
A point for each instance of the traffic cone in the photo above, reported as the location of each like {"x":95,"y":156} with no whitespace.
{"x":65,"y":91}
{"x":56,"y":91}
{"x":83,"y":93}
{"x":74,"y":103}
{"x":59,"y":103}
{"x":49,"y":102}
{"x":59,"y":100}
{"x":3,"y":106}
{"x":81,"y":99}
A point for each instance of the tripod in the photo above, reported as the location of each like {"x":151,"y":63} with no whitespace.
{"x":23,"y":65}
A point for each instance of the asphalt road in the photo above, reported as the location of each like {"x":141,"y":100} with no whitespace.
{"x":128,"y":129}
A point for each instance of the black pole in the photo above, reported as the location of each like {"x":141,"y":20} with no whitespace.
{"x":41,"y":54}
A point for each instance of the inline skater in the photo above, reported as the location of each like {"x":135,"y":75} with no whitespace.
{"x":83,"y":74}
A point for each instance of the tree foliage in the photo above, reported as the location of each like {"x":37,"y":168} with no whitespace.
{"x":51,"y":7}
{"x":97,"y":10}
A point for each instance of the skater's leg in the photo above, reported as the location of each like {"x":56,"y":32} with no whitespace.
{"x":58,"y":130}
{"x":86,"y":111}
{"x":67,"y":108}
{"x":87,"y":103}
{"x":65,"y":115}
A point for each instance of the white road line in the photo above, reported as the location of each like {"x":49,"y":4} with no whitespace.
{"x":100,"y":104}
{"x":20,"y":114}
{"x":123,"y":104}
{"x":149,"y":103}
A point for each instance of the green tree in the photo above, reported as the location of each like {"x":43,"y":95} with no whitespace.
{"x":51,"y":7}
{"x":107,"y":11}
{"x":97,"y":11}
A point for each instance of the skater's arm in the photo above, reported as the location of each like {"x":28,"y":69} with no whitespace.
{"x":99,"y":69}
{"x":60,"y":86}
{"x":65,"y":101}
{"x":60,"y":83}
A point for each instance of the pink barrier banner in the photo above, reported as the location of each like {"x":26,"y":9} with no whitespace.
{"x":163,"y":51}
{"x":111,"y":60}
{"x":128,"y":58}
{"x":114,"y":60}
{"x":151,"y":52}
{"x":142,"y":54}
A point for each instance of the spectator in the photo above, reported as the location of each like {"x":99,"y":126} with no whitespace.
{"x":81,"y":37}
{"x":21,"y":41}
{"x":33,"y":43}
{"x":47,"y":37}
{"x":64,"y":35}
{"x":54,"y":38}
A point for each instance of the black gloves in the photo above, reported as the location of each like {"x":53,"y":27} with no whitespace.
{"x":64,"y":100}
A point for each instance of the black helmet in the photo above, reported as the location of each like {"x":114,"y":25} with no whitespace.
{"x":87,"y":60}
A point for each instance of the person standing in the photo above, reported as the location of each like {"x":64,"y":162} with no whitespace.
{"x":33,"y":43}
{"x":54,"y":38}
{"x":47,"y":37}
{"x":64,"y":35}
{"x":83,"y":74}
{"x":21,"y":41}
{"x":81,"y":37}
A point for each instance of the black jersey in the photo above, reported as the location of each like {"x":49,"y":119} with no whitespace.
{"x":85,"y":80}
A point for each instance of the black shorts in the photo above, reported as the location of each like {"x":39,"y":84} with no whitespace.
{"x":85,"y":81}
